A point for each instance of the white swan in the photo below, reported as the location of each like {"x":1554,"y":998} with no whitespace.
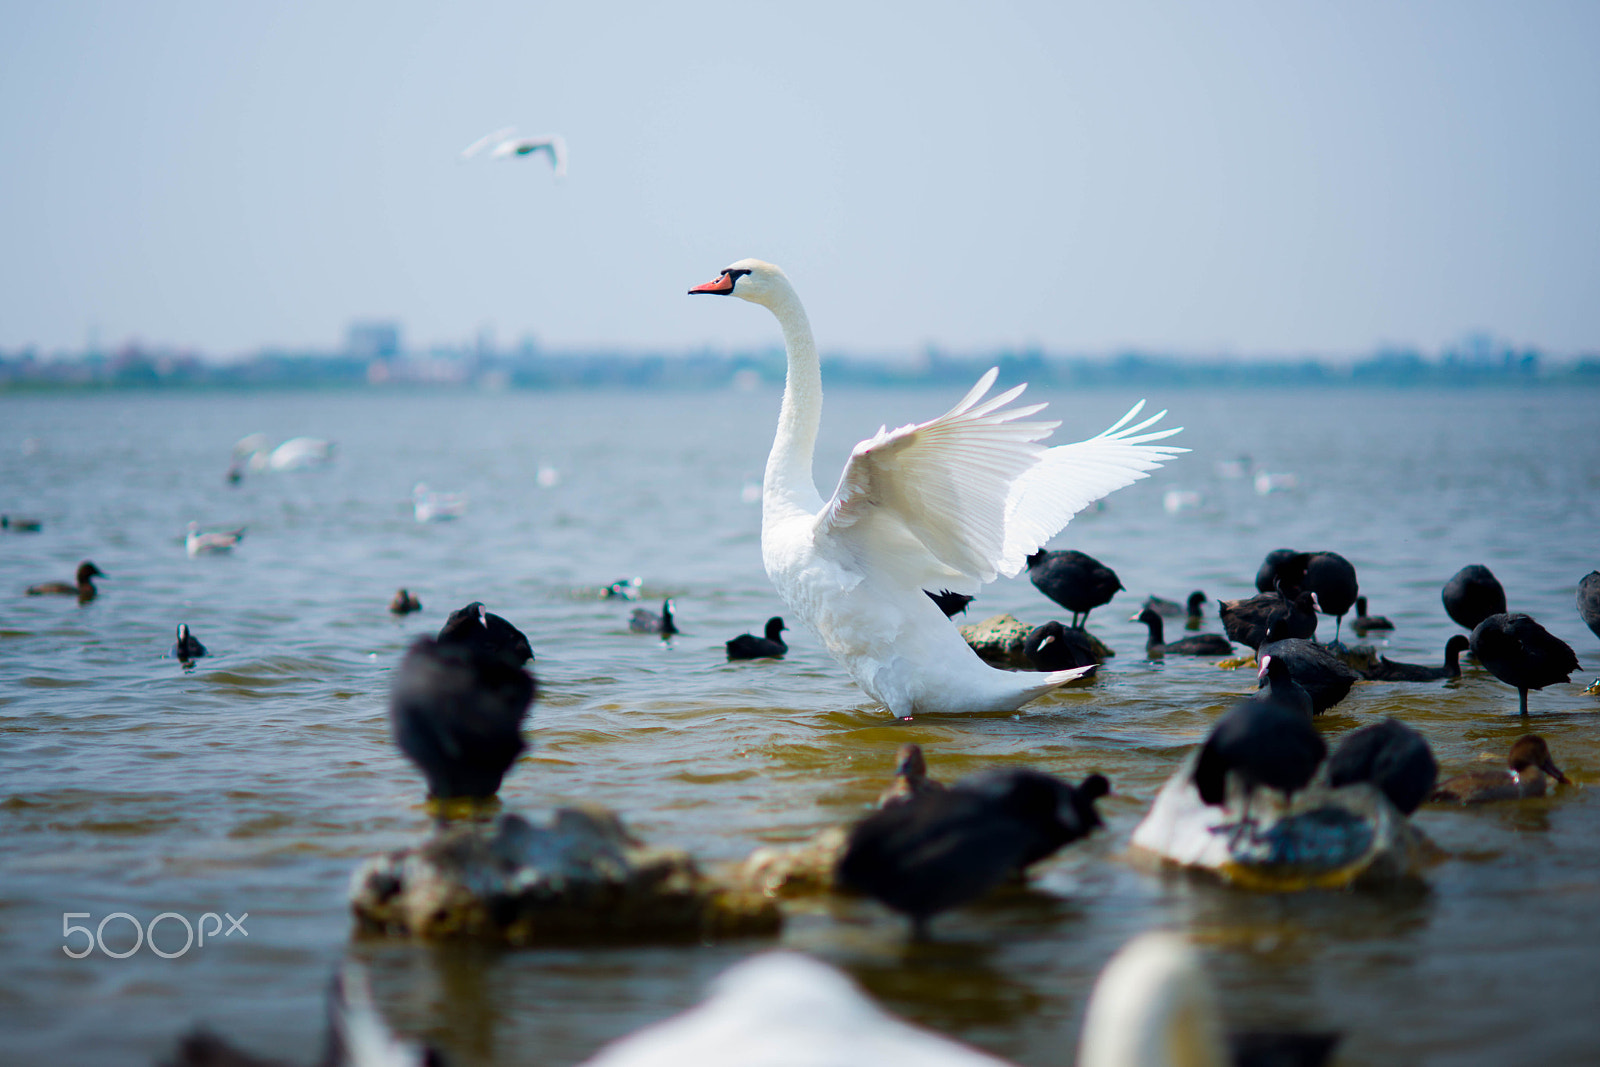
{"x":951,"y":503}
{"x":1151,"y":1007}
{"x":429,"y":505}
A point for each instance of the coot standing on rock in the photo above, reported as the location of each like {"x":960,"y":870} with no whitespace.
{"x":749,"y":646}
{"x":1521,"y":653}
{"x":1199,"y":645}
{"x":1054,"y":647}
{"x":1261,"y":741}
{"x":457,"y":711}
{"x":475,"y":627}
{"x":1387,"y":670}
{"x":1390,"y":755}
{"x":1078,"y":582}
{"x":1471,"y":595}
{"x":944,"y":849}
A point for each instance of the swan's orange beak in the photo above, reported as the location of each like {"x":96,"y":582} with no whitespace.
{"x":722,"y":284}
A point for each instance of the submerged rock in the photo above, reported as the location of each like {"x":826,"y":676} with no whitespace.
{"x":582,"y":879}
{"x":1324,"y":839}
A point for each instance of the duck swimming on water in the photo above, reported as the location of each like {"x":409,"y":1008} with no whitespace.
{"x":83,"y":588}
{"x":749,"y":646}
{"x":947,"y":504}
{"x":643,"y":621}
{"x":1529,"y":768}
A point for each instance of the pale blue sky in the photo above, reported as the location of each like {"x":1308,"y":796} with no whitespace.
{"x":1253,"y":178}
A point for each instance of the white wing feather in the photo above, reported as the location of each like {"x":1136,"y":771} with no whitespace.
{"x":965,"y":497}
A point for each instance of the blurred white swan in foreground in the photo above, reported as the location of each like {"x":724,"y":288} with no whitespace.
{"x":1152,"y":1006}
{"x":504,"y":144}
{"x":948,"y":504}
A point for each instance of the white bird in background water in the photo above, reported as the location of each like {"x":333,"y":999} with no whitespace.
{"x":503,"y":144}
{"x":948,"y":504}
{"x":429,"y":505}
{"x":206,"y":543}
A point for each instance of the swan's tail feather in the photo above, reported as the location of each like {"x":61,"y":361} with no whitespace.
{"x":1057,"y":679}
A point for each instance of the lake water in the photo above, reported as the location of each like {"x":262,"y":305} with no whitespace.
{"x":258,"y":781}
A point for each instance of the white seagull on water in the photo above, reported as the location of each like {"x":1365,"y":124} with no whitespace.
{"x":504,"y":144}
{"x":947,"y":504}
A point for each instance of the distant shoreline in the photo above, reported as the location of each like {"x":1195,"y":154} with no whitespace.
{"x":136,"y":371}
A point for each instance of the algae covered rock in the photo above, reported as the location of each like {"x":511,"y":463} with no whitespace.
{"x":794,"y":870}
{"x":1324,"y":839}
{"x":998,"y":639}
{"x":581,"y":879}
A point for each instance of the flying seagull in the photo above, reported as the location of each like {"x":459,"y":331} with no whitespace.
{"x":503,"y":144}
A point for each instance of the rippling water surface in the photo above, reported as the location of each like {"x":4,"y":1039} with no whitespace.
{"x":258,"y":780}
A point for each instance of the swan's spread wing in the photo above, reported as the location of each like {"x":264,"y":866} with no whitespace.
{"x":967,"y":496}
{"x":928,"y":501}
{"x":1069,"y":478}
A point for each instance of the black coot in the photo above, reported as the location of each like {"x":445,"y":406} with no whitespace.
{"x":1333,"y":579}
{"x":749,"y":646}
{"x":188,"y":649}
{"x":1260,"y":741}
{"x":1325,"y":676}
{"x":1390,"y":755}
{"x":1077,"y":582}
{"x":457,"y":711}
{"x":1472,"y":595}
{"x":1054,"y":647}
{"x":1246,"y":621}
{"x":1589,"y":601}
{"x":475,"y":627}
{"x":942,"y":849}
{"x":1521,"y":653}
{"x":1283,"y":567}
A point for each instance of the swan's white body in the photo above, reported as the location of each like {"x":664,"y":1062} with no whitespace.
{"x":950,"y":503}
{"x":1151,"y":1007}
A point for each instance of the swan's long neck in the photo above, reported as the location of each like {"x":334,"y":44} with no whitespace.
{"x":788,"y":480}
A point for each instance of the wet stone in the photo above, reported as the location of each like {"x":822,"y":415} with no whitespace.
{"x":582,"y":879}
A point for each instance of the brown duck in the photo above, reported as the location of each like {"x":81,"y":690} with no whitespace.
{"x":84,"y":590}
{"x":1530,"y":770}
